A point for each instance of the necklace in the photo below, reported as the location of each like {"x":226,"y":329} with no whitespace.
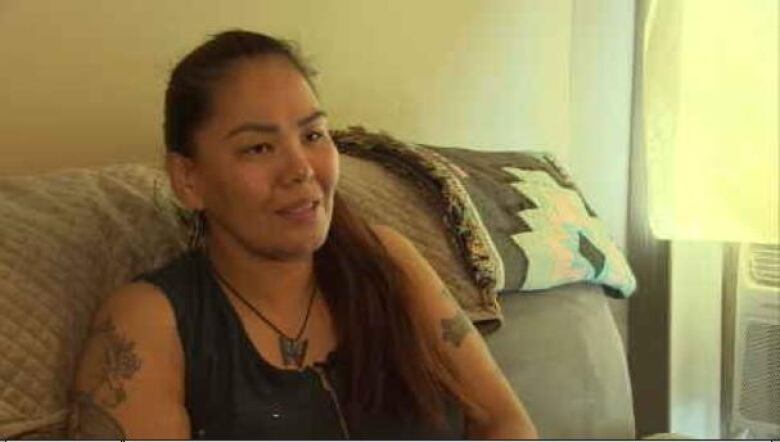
{"x":293,"y":350}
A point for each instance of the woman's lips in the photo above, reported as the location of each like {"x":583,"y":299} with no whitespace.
{"x":303,"y":213}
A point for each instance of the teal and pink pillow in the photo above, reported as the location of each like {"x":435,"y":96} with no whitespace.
{"x":520,"y":221}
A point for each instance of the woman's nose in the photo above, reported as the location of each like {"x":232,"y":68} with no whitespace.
{"x":297,"y":165}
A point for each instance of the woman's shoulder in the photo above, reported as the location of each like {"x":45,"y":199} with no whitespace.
{"x":396,"y":243}
{"x":403,"y":251}
{"x":182,"y":266}
{"x":148,"y":297}
{"x":179,"y":279}
{"x":423,"y":279}
{"x":138,"y":302}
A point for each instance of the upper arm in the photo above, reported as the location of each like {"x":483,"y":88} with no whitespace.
{"x":463,"y":350}
{"x":130,"y":382}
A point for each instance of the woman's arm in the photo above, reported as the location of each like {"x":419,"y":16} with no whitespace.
{"x":129,"y":384}
{"x":498,"y":414}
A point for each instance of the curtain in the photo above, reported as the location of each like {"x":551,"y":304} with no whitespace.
{"x":710,"y":119}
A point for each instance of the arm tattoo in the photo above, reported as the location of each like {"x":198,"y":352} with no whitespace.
{"x":456,"y":328}
{"x":88,"y":420}
{"x":118,"y":363}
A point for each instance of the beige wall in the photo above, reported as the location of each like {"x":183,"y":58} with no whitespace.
{"x":600,"y":106}
{"x":83,"y":80}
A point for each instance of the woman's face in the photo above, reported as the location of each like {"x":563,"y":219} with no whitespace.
{"x":266,"y":168}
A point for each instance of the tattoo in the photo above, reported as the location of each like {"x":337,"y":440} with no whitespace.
{"x":90,"y":421}
{"x":456,"y":328}
{"x":117,"y":363}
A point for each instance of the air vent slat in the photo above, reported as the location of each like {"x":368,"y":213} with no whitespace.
{"x":760,"y":398}
{"x":764,"y":264}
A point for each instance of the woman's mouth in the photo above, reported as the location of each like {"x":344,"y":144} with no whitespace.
{"x":305,"y":212}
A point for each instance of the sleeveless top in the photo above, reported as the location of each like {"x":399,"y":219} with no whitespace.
{"x":232,"y":392}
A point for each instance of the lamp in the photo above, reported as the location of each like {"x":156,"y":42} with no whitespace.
{"x":710,"y":94}
{"x":710,"y":130}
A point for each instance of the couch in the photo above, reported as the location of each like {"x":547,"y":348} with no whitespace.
{"x":70,"y":237}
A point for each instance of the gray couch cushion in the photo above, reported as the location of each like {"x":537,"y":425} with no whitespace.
{"x":562,"y":353}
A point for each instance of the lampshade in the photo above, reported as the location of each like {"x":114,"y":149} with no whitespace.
{"x":710,"y":114}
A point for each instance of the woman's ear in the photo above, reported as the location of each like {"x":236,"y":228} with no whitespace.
{"x":181,"y":171}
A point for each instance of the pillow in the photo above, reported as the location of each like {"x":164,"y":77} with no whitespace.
{"x":383,"y":197}
{"x":518,"y":218}
{"x":67,"y":240}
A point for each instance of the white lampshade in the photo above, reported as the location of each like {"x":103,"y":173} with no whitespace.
{"x":710,"y":109}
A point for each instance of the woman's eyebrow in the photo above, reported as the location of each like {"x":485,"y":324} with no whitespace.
{"x":319,"y":113}
{"x":273,"y":128}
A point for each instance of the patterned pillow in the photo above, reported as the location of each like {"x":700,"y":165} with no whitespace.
{"x":519,"y":219}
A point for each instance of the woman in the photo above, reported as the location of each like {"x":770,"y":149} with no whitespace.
{"x":290,"y":317}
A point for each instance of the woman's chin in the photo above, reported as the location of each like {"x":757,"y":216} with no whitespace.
{"x":297,"y":248}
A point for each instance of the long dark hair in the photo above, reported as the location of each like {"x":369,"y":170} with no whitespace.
{"x":388,"y":366}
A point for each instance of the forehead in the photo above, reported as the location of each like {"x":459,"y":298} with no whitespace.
{"x":267,"y":89}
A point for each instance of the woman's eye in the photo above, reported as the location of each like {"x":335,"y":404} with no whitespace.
{"x":256,"y":149}
{"x":314,"y":136}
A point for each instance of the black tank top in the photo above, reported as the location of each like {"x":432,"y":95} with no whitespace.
{"x":232,"y":392}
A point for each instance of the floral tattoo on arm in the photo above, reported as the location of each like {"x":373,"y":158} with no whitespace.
{"x":118,"y":363}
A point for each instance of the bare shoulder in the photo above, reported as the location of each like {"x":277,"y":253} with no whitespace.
{"x":131,"y":369}
{"x":388,"y":235}
{"x":403,"y":251}
{"x":428,"y":295}
{"x":397,"y":244}
{"x":136,"y":312}
{"x":138,"y":302}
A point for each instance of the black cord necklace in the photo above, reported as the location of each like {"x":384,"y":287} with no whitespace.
{"x":293,"y":350}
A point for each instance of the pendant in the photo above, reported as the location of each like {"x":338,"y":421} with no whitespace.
{"x":293,"y":351}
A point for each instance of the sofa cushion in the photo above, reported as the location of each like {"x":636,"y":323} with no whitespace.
{"x":561,"y":351}
{"x":67,"y":240}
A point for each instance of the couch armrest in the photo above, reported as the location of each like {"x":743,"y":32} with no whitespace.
{"x":561,"y":351}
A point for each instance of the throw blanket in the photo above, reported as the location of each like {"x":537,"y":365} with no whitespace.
{"x":518,"y":218}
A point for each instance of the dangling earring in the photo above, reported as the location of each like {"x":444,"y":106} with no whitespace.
{"x":197,"y":229}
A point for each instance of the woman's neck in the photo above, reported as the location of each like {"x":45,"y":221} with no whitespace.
{"x":281,"y":285}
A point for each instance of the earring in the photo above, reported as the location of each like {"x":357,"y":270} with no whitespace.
{"x":197,"y":229}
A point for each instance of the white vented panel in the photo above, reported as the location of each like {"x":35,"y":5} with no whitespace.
{"x":760,"y":386}
{"x":765,"y":265}
{"x":756,"y":387}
